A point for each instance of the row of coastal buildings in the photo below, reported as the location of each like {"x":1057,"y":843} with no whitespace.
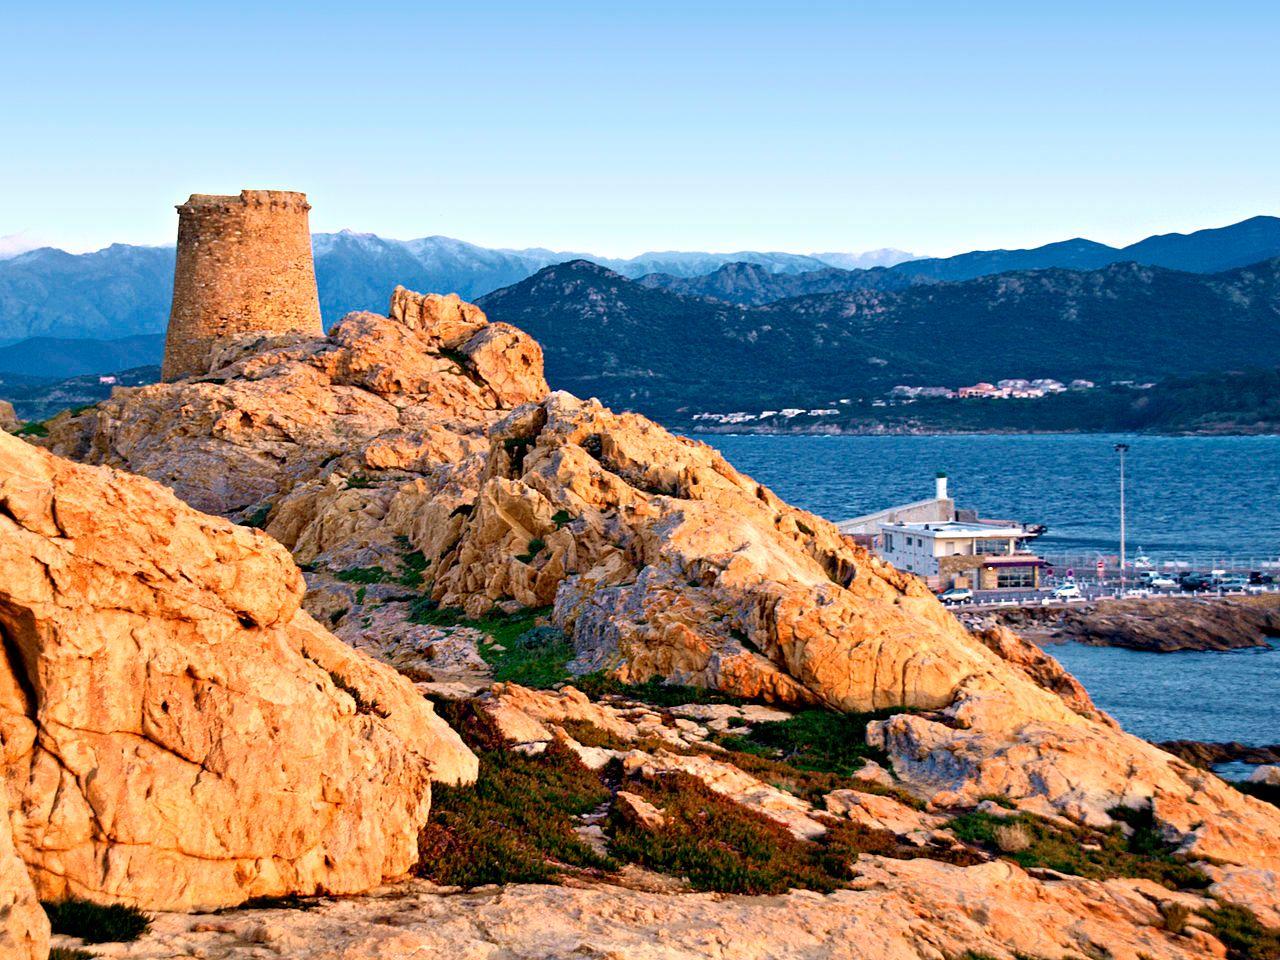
{"x":1016,"y":388}
{"x":951,"y":547}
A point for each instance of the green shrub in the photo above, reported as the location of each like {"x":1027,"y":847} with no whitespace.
{"x":1242,"y":933}
{"x":656,"y":692}
{"x":413,"y":566}
{"x":515,"y":825}
{"x":360,"y":481}
{"x":1143,"y":854}
{"x":535,"y":547}
{"x":363,"y":575}
{"x":257,"y":519}
{"x":96,"y":922}
{"x":818,"y":740}
{"x":561,"y":518}
{"x":32,"y":429}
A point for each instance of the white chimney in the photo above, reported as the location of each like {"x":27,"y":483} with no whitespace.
{"x":940,"y":483}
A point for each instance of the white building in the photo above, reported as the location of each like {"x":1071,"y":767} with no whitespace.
{"x":957,"y":553}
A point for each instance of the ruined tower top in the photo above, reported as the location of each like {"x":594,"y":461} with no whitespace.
{"x":244,"y":266}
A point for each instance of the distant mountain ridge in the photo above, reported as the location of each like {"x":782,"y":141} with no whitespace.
{"x":1204,"y":251}
{"x":752,"y":285}
{"x":125,"y":290}
{"x":667,"y":354}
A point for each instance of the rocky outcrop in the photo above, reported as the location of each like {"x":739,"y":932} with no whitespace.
{"x":1205,"y":754}
{"x":430,"y":431}
{"x":9,"y":421}
{"x":1041,"y":668}
{"x":898,"y":910}
{"x":24,"y":928}
{"x":176,"y":732}
{"x":1157,"y":625}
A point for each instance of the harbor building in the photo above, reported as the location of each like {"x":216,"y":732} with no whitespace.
{"x":954,"y":553}
{"x":948,"y":546}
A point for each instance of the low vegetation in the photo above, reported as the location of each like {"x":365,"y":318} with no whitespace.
{"x":817,"y":740}
{"x":1032,"y":842}
{"x":1242,"y":933}
{"x":364,"y":575}
{"x":521,"y":651}
{"x":96,"y":922}
{"x":515,"y":825}
{"x":720,"y":845}
{"x":654,"y":692}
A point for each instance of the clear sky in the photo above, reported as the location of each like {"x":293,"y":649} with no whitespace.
{"x":620,"y":127}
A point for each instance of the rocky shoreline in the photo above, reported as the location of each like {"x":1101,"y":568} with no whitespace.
{"x":1155,"y":625}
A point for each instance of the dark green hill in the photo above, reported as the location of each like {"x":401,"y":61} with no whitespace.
{"x":664,"y":353}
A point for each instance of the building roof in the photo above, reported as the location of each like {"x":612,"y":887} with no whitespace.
{"x":956,"y":528}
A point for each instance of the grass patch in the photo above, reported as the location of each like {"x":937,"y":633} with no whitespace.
{"x":96,"y":922}
{"x":655,"y":692}
{"x":257,"y":519}
{"x":534,"y":548}
{"x":1043,"y":844}
{"x":413,"y":566}
{"x":532,"y":656}
{"x":818,"y":740}
{"x":516,"y":824}
{"x":1242,"y":933}
{"x":363,"y":575}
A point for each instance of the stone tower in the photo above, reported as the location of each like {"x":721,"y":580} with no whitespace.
{"x":244,"y":265}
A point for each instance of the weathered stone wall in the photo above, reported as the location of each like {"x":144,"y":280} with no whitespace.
{"x":244,"y":265}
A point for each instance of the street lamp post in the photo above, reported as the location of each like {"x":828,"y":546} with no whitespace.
{"x":1122,"y":449}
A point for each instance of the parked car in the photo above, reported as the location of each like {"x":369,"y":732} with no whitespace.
{"x":956,"y":595}
{"x":1194,"y":582}
{"x":1162,"y":581}
{"x":1068,"y":591}
{"x":1233,"y":584}
{"x":1261,"y":579}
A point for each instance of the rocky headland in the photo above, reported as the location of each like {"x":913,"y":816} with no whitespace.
{"x":699,"y":723}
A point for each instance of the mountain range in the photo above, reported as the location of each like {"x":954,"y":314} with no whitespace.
{"x":125,"y":290}
{"x":668,"y":354}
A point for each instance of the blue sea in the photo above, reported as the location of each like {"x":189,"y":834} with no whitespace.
{"x":1189,"y":498}
{"x":1192,"y":498}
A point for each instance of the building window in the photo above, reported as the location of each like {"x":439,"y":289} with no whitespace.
{"x":888,"y":541}
{"x":991,"y":548}
{"x":1015,"y":577}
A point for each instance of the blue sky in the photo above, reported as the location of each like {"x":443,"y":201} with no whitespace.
{"x":616,"y":128}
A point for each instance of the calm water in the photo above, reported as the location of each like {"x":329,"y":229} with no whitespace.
{"x":1188,"y":497}
{"x":1231,"y":695}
